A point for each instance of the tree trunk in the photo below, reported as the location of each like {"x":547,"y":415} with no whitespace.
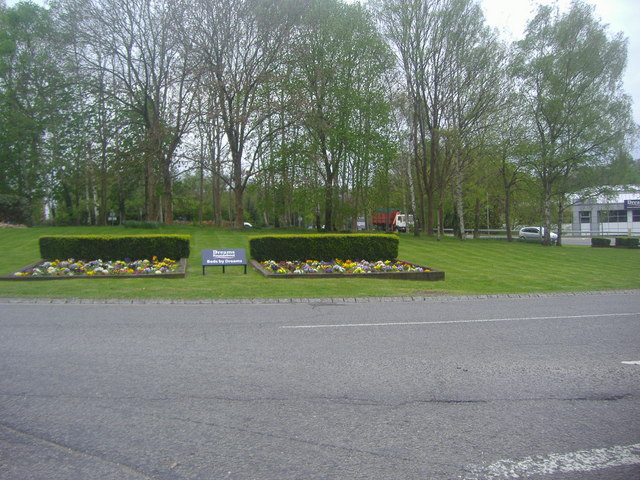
{"x":459,"y":198}
{"x":507,"y":213}
{"x":200,"y":192}
{"x":216,"y":189}
{"x":476,"y":220}
{"x":167,"y":194}
{"x":546,"y":196}
{"x":328,"y":205}
{"x":238,"y":187}
{"x":149,"y":189}
{"x":239,"y":200}
{"x":560,"y":215}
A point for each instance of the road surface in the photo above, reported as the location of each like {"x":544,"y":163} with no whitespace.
{"x":541,"y":387}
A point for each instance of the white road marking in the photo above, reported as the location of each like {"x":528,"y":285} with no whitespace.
{"x":580,"y":461}
{"x":632,"y":362}
{"x":448,"y":322}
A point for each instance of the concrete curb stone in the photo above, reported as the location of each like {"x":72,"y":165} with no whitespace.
{"x":271,"y":301}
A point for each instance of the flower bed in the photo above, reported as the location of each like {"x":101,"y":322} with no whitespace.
{"x":71,"y":268}
{"x":339,"y":268}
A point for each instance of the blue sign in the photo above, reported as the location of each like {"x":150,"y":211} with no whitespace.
{"x":223,"y":257}
{"x":632,"y":204}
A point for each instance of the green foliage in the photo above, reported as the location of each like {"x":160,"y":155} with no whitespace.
{"x":31,"y":94}
{"x":324,"y":247}
{"x":87,"y":123}
{"x":113,"y":247}
{"x":570,"y":71}
{"x":340,"y":63}
{"x":600,"y":242}
{"x":628,"y":242}
{"x":142,"y":224}
{"x":14,"y":209}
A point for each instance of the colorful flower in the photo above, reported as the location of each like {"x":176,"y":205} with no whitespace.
{"x":72,"y":267}
{"x":310,"y":267}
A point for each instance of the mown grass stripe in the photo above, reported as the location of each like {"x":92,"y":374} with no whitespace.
{"x":472,"y":267}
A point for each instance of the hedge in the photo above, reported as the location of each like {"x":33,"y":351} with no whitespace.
{"x":628,"y":242}
{"x":324,"y":247}
{"x":600,"y":242}
{"x":114,"y":247}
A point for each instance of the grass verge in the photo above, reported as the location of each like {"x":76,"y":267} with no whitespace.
{"x":472,"y":267}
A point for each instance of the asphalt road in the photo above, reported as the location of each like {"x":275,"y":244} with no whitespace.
{"x":444,"y":388}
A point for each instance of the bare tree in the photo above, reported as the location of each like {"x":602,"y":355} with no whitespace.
{"x":476,"y":89}
{"x":417,"y":36}
{"x":136,"y":42}
{"x":450,"y":63}
{"x":240,"y":44}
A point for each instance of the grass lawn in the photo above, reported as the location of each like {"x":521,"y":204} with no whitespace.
{"x":471,"y":267}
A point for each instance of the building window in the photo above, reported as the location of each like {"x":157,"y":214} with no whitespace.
{"x":585,"y":217}
{"x":612,"y":216}
{"x":636,"y":215}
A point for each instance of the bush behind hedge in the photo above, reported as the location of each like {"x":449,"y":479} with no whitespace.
{"x":628,"y":242}
{"x":324,"y":247}
{"x":14,"y":209}
{"x":141,"y":224}
{"x":600,"y":242}
{"x":114,"y":247}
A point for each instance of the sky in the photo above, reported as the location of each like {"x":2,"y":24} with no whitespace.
{"x":510,"y":18}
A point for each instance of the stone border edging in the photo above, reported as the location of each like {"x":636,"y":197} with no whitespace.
{"x":288,"y":301}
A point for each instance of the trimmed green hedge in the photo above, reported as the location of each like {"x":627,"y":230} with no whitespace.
{"x":324,"y":247}
{"x":600,"y":242}
{"x":114,"y":247}
{"x":628,"y":242}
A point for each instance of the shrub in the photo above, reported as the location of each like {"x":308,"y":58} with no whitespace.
{"x":141,"y":224}
{"x":114,"y":247}
{"x":324,"y":247}
{"x":628,"y":242}
{"x":600,"y":242}
{"x":14,"y":209}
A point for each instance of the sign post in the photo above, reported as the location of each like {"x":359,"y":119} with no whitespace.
{"x":223,"y":257}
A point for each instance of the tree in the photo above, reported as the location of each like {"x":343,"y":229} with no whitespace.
{"x":138,"y":44}
{"x":476,"y":87}
{"x":31,"y":85}
{"x":410,"y":27}
{"x":570,"y":77}
{"x":209,"y":153}
{"x":341,"y":62}
{"x":240,"y":44}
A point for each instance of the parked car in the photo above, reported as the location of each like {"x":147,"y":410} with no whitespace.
{"x":535,"y":234}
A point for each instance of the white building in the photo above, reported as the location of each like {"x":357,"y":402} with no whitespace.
{"x":613,"y":214}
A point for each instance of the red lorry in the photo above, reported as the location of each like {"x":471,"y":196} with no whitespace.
{"x":387,"y":220}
